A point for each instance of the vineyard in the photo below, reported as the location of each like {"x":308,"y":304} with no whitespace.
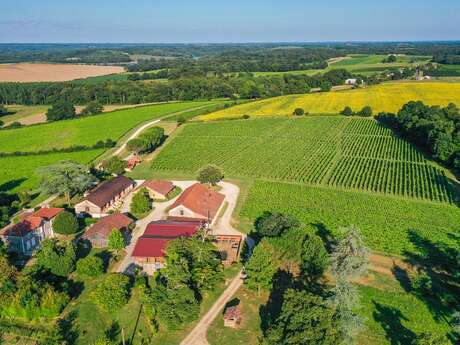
{"x":389,"y":224}
{"x":333,"y":151}
{"x":384,"y":97}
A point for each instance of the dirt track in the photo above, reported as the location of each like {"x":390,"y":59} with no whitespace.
{"x":32,"y":72}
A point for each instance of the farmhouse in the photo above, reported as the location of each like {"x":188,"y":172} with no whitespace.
{"x":105,"y":197}
{"x":158,"y":189}
{"x":25,"y":236}
{"x":99,"y":233}
{"x":198,"y":202}
{"x":150,"y":247}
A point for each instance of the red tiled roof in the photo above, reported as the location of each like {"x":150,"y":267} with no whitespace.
{"x":48,"y":213}
{"x":108,"y":190}
{"x":171,"y":229}
{"x":132,"y":162}
{"x":150,"y":247}
{"x":105,"y":225}
{"x":160,"y":186}
{"x":201,"y":200}
{"x":25,"y":226}
{"x":233,"y":312}
{"x":157,"y":235}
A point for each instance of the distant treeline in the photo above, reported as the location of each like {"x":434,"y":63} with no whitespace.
{"x":266,"y":60}
{"x":130,"y":92}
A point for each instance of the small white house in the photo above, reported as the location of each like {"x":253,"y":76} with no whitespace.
{"x":351,"y":81}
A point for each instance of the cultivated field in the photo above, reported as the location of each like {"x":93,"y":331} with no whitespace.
{"x":388,"y":97}
{"x":329,"y":151}
{"x":35,"y":72}
{"x":18,"y":172}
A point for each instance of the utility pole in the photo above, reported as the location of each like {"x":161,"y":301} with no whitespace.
{"x":123,"y":335}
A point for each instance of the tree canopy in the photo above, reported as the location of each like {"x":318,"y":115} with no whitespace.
{"x":65,"y":223}
{"x":65,"y":178}
{"x":210,"y":174}
{"x":57,"y":257}
{"x":274,"y":224}
{"x":61,"y":110}
{"x":112,"y":293}
{"x":114,"y":165}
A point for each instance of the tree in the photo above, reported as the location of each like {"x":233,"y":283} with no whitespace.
{"x":427,"y":338}
{"x":299,"y":112}
{"x":114,"y":165}
{"x":153,"y":137}
{"x":65,"y":223}
{"x":8,"y":276}
{"x":24,"y":197}
{"x":65,"y":178}
{"x":1,"y":123}
{"x":314,"y":258}
{"x":350,"y":256}
{"x":304,"y":319}
{"x":181,"y":120}
{"x":57,"y":257}
{"x":365,"y":111}
{"x":347,"y":111}
{"x":116,"y":240}
{"x":91,"y":266}
{"x":137,"y":145}
{"x":93,"y":108}
{"x":3,"y":110}
{"x":141,"y":203}
{"x":273,"y":224}
{"x":60,"y":110}
{"x":210,"y":174}
{"x":261,"y":267}
{"x":112,"y":293}
{"x":325,"y":86}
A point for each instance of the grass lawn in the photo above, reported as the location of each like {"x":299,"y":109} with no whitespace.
{"x":87,"y":130}
{"x":22,"y":112}
{"x":248,"y":333}
{"x":19,"y":173}
{"x":384,"y":97}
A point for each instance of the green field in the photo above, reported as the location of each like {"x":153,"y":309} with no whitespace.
{"x":389,"y":97}
{"x":359,"y":63}
{"x":87,"y":130}
{"x":333,"y":151}
{"x":23,"y":111}
{"x":18,"y":173}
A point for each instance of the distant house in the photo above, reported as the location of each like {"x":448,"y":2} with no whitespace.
{"x":351,"y":81}
{"x":99,"y":233}
{"x":25,"y":236}
{"x":232,"y":316}
{"x":132,"y":162}
{"x":149,"y":251}
{"x":229,"y":247}
{"x":198,"y":202}
{"x":105,"y":197}
{"x":159,"y":189}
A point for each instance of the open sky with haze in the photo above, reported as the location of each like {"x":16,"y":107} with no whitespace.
{"x":28,"y":21}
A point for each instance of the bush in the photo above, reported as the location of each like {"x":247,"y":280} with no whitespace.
{"x":181,"y":120}
{"x":347,"y":111}
{"x":57,"y":257}
{"x":112,"y":293}
{"x":116,"y":240}
{"x":91,"y":266}
{"x":93,"y":108}
{"x":366,"y":111}
{"x":210,"y":174}
{"x":114,"y":165}
{"x":65,"y":223}
{"x":141,"y":203}
{"x":299,"y":112}
{"x":60,"y":110}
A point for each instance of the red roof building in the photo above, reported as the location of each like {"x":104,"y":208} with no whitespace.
{"x":198,"y":202}
{"x":132,"y":162}
{"x":159,"y":189}
{"x":150,"y":248}
{"x":99,"y":233}
{"x":232,"y":316}
{"x":48,"y":213}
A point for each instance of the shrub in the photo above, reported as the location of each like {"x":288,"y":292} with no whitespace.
{"x":140,"y":203}
{"x":210,"y":174}
{"x":65,"y":223}
{"x":347,"y":111}
{"x":93,"y":108}
{"x":116,"y":240}
{"x":114,"y":165}
{"x":112,"y":293}
{"x":181,"y":120}
{"x":91,"y":266}
{"x":57,"y":257}
{"x":299,"y":112}
{"x":366,"y":111}
{"x":61,"y":110}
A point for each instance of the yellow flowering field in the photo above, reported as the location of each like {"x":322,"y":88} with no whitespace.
{"x":388,"y":97}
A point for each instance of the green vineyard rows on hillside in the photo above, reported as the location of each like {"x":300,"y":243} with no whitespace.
{"x":333,"y":151}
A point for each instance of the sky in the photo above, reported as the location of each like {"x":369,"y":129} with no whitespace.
{"x":209,"y":21}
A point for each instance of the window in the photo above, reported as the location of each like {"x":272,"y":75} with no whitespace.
{"x":181,"y":212}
